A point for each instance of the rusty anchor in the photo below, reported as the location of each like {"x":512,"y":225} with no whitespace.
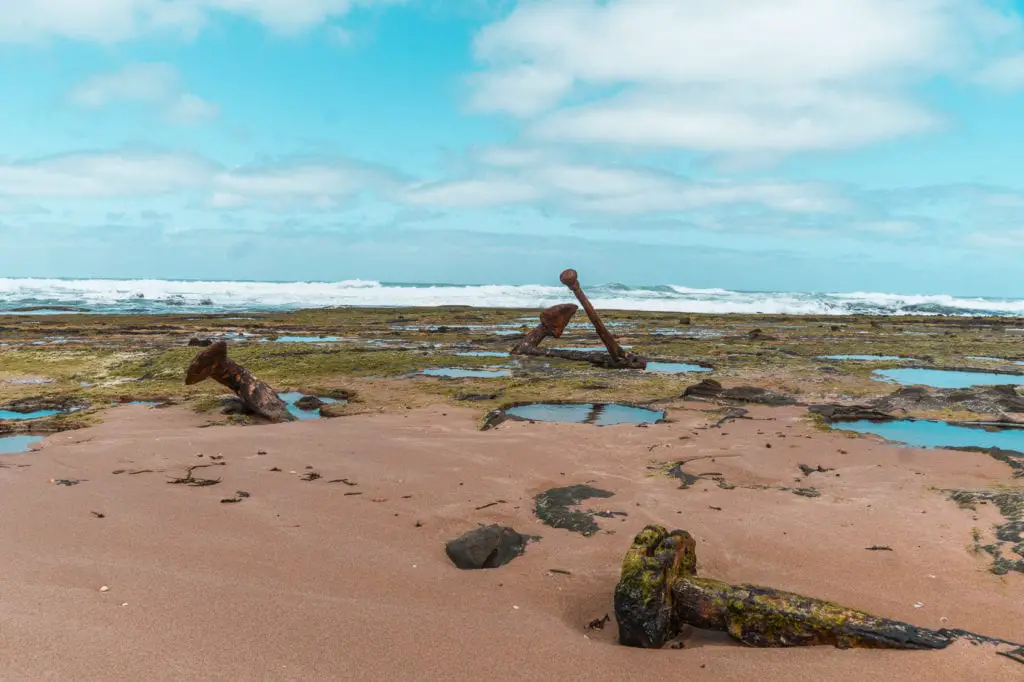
{"x":213,"y":363}
{"x":553,"y":322}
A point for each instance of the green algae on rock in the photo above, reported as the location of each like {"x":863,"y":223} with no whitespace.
{"x":659,"y":592}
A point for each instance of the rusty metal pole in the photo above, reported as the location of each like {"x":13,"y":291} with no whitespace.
{"x":571,"y":279}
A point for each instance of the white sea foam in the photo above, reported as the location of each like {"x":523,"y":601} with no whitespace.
{"x":154,"y":296}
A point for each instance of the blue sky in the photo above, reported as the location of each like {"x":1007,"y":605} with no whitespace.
{"x":798,"y":144}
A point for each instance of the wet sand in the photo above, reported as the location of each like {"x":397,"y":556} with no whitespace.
{"x":303,"y":580}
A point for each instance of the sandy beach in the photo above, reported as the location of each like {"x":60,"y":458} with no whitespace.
{"x":327,"y":579}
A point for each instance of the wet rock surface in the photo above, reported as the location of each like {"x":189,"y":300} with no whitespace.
{"x":38,"y":404}
{"x":981,"y":399}
{"x":486,"y":547}
{"x":1007,"y":546}
{"x":709,"y":389}
{"x":849,"y":413}
{"x":309,"y":403}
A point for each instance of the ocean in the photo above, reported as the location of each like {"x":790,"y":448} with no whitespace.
{"x":42,"y":296}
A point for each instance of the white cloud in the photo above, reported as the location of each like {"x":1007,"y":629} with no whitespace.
{"x":497,"y":191}
{"x":289,"y":184}
{"x":738,"y":121}
{"x":1006,"y":73}
{"x":156,"y":84}
{"x":103,"y":175}
{"x":112,"y":21}
{"x":726,"y":75}
{"x":526,"y":177}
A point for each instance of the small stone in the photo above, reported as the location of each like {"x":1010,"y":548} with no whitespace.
{"x":486,"y":547}
{"x":104,"y":589}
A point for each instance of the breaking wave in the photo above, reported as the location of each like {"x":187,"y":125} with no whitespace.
{"x":167,"y":296}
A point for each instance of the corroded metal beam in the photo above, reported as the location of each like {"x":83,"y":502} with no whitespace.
{"x":620,"y":358}
{"x":213,"y":363}
{"x":659,"y":592}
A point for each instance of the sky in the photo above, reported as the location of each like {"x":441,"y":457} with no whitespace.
{"x":811,"y":145}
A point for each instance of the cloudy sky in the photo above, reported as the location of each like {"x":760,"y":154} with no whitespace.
{"x":828,"y":145}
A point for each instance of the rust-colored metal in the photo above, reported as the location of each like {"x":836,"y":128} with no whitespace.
{"x":553,"y":322}
{"x":620,"y":357}
{"x":213,"y":363}
{"x":659,"y":592}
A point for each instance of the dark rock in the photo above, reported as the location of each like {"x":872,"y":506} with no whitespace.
{"x":552,"y":508}
{"x":201,"y":343}
{"x":39,"y":403}
{"x":807,"y":492}
{"x":980,"y":399}
{"x":333,"y":410}
{"x":758,"y":335}
{"x":476,"y":396}
{"x":486,"y":547}
{"x":849,"y":413}
{"x":309,"y":403}
{"x":709,"y":389}
{"x":233,"y":405}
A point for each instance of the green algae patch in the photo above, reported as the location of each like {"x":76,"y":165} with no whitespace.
{"x":1007,"y":546}
{"x":552,"y":507}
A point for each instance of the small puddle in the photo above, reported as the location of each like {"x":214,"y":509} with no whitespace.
{"x":599,"y":414}
{"x":587,"y":349}
{"x":307,"y":339}
{"x":10,"y":445}
{"x":29,"y":381}
{"x":936,"y":434}
{"x":946,"y":378}
{"x":292,"y":397}
{"x":883,"y":358}
{"x":459,"y":373}
{"x":483,"y":354}
{"x":675,"y":368}
{"x":38,"y":414}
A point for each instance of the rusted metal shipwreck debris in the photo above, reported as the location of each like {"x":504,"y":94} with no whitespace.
{"x":659,"y":592}
{"x":259,"y":398}
{"x":553,"y":322}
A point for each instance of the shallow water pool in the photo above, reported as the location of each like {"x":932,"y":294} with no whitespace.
{"x":599,"y":414}
{"x":945,"y":378}
{"x":460,"y":373}
{"x":936,"y":434}
{"x":38,"y":414}
{"x":291,"y":397}
{"x":14,"y":444}
{"x":675,"y":368}
{"x":307,"y":339}
{"x":483,"y":354}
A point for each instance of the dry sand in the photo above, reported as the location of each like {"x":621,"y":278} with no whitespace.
{"x":301,"y":581}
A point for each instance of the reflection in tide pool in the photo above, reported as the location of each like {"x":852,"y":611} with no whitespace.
{"x":15,"y":444}
{"x":945,"y":378}
{"x":600,"y":414}
{"x":936,"y":434}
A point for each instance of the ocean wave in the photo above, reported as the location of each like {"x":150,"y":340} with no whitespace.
{"x":161,"y":296}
